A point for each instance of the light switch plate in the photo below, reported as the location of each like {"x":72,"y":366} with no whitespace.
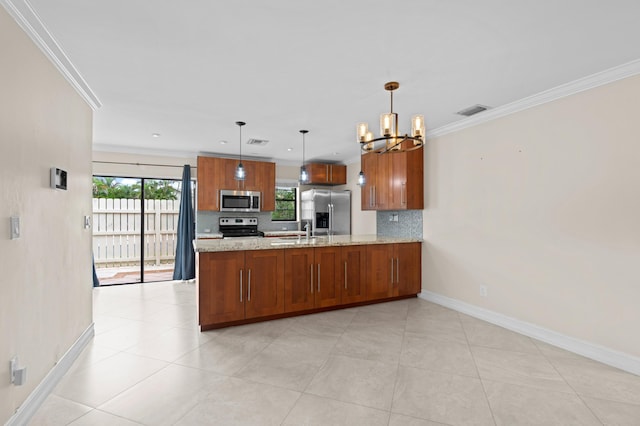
{"x":15,"y":227}
{"x":87,"y":222}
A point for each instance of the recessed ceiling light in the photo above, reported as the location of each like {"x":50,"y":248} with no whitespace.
{"x":289,"y":149}
{"x":155,"y":135}
{"x":336,"y":153}
{"x":223,"y":142}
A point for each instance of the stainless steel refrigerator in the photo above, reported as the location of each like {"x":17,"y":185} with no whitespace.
{"x":329,"y":212}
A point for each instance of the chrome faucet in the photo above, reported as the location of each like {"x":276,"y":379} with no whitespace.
{"x":307,"y":228}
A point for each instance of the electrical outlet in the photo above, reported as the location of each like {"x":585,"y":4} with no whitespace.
{"x":15,"y":227}
{"x":483,"y":290}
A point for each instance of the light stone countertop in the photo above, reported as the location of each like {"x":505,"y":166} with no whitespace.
{"x":239,"y":244}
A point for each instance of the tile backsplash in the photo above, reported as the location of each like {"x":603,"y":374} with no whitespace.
{"x":408,"y":224}
{"x":403,"y":223}
{"x":209,"y":220}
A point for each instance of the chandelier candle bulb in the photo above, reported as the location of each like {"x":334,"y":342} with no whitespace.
{"x":363,"y":130}
{"x":417,"y":125}
{"x":387,"y":127}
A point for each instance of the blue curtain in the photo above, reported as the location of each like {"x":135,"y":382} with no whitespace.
{"x":185,"y":265}
{"x":96,"y":281}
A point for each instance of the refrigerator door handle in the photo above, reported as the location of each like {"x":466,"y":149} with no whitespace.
{"x":330,"y":219}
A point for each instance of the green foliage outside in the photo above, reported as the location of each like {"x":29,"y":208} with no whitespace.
{"x":285,"y":204}
{"x":109,"y":187}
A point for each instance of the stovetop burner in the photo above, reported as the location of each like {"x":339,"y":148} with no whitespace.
{"x":231,"y":227}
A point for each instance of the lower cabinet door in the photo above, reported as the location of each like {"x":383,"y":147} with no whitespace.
{"x":352,"y":278}
{"x":221,"y":284}
{"x":380,"y":273}
{"x":265,"y":283}
{"x":327,"y":261}
{"x":299,"y":273}
{"x":408,"y":269}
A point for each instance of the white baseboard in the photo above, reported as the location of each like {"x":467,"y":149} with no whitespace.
{"x":46,"y":386}
{"x":596,"y":352}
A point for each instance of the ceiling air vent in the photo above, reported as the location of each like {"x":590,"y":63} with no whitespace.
{"x":468,"y":112}
{"x":257,"y":142}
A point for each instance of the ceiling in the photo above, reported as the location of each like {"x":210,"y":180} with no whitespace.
{"x":189,"y":70}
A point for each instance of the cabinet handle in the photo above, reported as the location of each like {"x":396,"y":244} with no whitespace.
{"x":249,"y":286}
{"x":402,"y":193}
{"x":391,"y":271}
{"x":318,"y":278}
{"x":240,"y":285}
{"x":371,"y":196}
{"x":327,"y":178}
{"x":398,"y":270}
{"x":217,"y":198}
{"x":345,"y":275}
{"x":375,"y":201}
{"x":311,"y":274}
{"x":331,"y":169}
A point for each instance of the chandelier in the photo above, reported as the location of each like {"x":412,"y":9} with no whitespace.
{"x":390,"y":140}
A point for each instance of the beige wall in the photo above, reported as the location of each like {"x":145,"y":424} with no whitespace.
{"x":45,"y":290}
{"x":362,"y":222}
{"x":543,"y":207}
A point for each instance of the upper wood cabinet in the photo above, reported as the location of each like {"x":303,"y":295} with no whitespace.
{"x":216,"y":174}
{"x":210,"y":175}
{"x":327,"y":174}
{"x":394,"y":181}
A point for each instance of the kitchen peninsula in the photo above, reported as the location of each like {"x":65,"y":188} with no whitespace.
{"x":248,"y":280}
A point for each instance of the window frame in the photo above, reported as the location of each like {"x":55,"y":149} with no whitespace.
{"x":296,"y":206}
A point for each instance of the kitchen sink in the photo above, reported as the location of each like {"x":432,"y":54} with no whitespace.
{"x":292,"y":241}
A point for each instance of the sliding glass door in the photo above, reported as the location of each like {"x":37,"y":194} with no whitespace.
{"x":135,"y":228}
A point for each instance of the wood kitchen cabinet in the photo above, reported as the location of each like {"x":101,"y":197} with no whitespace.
{"x":210,"y":172}
{"x":219,"y":292}
{"x":312,"y":278}
{"x":326,"y":174}
{"x":393,"y":270}
{"x":265,"y":283}
{"x":216,"y":174}
{"x":394,"y":181}
{"x":352,"y":282}
{"x":238,"y":285}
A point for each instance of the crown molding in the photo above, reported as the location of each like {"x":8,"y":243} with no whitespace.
{"x":592,"y":81}
{"x":27,"y":18}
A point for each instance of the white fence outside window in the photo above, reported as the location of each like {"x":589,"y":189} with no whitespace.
{"x":117,"y":236}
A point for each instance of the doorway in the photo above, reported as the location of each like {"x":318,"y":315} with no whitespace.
{"x":135,"y":223}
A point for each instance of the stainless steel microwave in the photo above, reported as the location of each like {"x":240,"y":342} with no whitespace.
{"x":239,"y":201}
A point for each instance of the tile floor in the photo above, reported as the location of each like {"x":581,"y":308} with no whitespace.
{"x":408,"y":362}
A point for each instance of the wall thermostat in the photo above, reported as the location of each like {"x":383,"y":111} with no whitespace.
{"x":58,"y":178}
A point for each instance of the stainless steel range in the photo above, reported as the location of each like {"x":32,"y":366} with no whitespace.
{"x":234,"y":227}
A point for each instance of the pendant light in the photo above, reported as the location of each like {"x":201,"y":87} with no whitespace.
{"x":361,"y":179}
{"x":304,"y":176}
{"x":240,"y":174}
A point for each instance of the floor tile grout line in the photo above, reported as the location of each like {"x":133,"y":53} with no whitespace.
{"x":595,"y":416}
{"x":484,"y":389}
{"x":395,"y":382}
